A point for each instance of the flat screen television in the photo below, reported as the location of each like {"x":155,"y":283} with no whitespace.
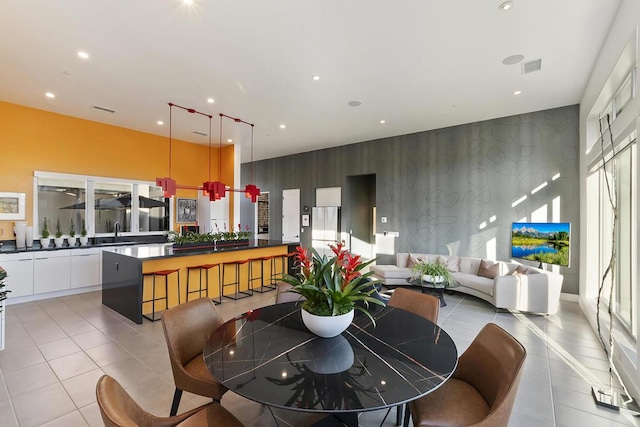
{"x":545,"y":242}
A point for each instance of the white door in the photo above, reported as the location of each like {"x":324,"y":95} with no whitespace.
{"x":291,"y":215}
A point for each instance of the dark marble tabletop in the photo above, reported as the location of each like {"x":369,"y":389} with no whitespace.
{"x":268,"y":356}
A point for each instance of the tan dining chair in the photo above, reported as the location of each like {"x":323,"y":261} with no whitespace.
{"x":283,"y":296}
{"x":423,"y":305}
{"x":482,"y":390}
{"x":118,"y":409}
{"x":187,"y":327}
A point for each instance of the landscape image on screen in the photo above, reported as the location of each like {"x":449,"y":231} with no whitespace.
{"x":547,"y":243}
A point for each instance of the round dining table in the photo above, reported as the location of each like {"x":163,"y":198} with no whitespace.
{"x":267,"y":355}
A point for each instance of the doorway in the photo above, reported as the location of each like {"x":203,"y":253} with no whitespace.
{"x":361,"y":206}
{"x":291,"y":215}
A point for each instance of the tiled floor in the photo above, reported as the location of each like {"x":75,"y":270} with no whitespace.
{"x":56,"y":349}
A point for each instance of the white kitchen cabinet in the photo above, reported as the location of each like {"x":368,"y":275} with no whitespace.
{"x":211,"y":213}
{"x":85,"y":267}
{"x":19,"y":268}
{"x":51,"y":271}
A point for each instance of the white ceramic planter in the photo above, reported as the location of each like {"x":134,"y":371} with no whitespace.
{"x":433,"y":279}
{"x":84,"y":240}
{"x":45,"y":242}
{"x":72,"y":240}
{"x":327,"y":326}
{"x":59,"y":241}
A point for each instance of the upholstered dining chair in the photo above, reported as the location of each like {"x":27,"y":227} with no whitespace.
{"x":423,"y":305}
{"x":187,"y":327}
{"x":482,"y":390}
{"x":118,"y":409}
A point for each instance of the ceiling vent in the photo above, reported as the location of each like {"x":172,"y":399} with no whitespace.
{"x":105,"y":109}
{"x":532,"y":66}
{"x":197,"y":132}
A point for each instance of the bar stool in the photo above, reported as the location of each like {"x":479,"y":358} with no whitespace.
{"x":205,"y":268}
{"x":165,"y":274}
{"x":275,"y":274}
{"x":238,"y":294}
{"x":252,"y":278}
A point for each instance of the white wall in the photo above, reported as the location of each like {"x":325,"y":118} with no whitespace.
{"x":605,"y":77}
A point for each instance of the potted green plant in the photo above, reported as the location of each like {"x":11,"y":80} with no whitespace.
{"x":72,"y":234}
{"x":433,"y":272}
{"x":45,"y":240}
{"x":331,"y":287}
{"x":59,"y":240}
{"x":84,"y":240}
{"x":191,"y":241}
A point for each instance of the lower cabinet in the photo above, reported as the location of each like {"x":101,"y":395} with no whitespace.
{"x":19,"y":268}
{"x":85,"y":267}
{"x":51,"y":271}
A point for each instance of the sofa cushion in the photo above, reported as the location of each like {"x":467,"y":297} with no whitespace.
{"x":415,"y":259}
{"x":452,"y":262}
{"x":481,"y":284}
{"x":390,"y":271}
{"x":488,"y":269}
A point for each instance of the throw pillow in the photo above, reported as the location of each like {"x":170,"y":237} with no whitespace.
{"x":488,"y":269}
{"x":521,"y":269}
{"x":413,"y":260}
{"x":451,"y":262}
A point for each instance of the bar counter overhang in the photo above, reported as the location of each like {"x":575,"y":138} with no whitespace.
{"x":123,"y":288}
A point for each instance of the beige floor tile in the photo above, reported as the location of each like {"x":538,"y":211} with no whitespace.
{"x":7,"y":417}
{"x":30,"y":378}
{"x":55,"y":349}
{"x":130,"y":372}
{"x":121,"y":332}
{"x":72,"y":419}
{"x":140,"y":345}
{"x":31,"y":315}
{"x":91,"y":339}
{"x":38,"y":325}
{"x":4,"y":393}
{"x":12,"y":359}
{"x":74,"y":364}
{"x":17,"y":342}
{"x":42,"y":405}
{"x":159,"y":401}
{"x":49,"y":334}
{"x":92,"y":416}
{"x":77,"y":328}
{"x":82,"y":388}
{"x":107,"y":354}
{"x":157,"y":361}
{"x":15,"y":329}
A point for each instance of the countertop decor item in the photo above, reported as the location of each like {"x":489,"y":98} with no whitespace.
{"x":59,"y":240}
{"x":45,"y":240}
{"x":331,"y":287}
{"x":72,"y":234}
{"x":84,"y":240}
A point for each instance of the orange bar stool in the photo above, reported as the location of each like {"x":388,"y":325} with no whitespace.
{"x":278,"y":260}
{"x":238,"y":294}
{"x":264,"y":287}
{"x":204,"y":268}
{"x":160,"y":273}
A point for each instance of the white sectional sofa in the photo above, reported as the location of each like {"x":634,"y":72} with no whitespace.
{"x":515,"y":287}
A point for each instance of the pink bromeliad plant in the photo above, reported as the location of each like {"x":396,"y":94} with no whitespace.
{"x":333,"y":285}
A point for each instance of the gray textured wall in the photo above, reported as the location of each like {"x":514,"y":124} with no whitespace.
{"x":437,"y":187}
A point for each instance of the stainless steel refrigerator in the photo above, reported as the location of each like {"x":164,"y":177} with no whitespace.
{"x":325,"y":228}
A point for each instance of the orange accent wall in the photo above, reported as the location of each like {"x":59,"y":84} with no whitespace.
{"x":39,"y":140}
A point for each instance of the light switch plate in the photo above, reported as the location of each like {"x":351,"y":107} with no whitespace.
{"x":383,"y":220}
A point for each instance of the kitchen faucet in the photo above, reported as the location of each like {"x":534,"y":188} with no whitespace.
{"x":116,"y":227}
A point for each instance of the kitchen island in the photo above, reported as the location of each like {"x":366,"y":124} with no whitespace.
{"x":123,"y":269}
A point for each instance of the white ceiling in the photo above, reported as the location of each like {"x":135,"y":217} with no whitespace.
{"x":418,"y":64}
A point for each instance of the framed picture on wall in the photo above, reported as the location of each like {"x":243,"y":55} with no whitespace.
{"x":187,"y":210}
{"x":12,"y":206}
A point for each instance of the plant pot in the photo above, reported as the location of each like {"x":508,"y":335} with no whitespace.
{"x":84,"y":240}
{"x":433,"y":279}
{"x":45,"y":242}
{"x":72,"y":240}
{"x":326,"y":326}
{"x":59,"y":241}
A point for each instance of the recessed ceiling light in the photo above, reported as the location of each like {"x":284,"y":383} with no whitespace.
{"x":210,"y":100}
{"x":354,"y":103}
{"x":49,"y":95}
{"x":188,"y":2}
{"x":160,"y":122}
{"x":517,"y":92}
{"x":83,"y":55}
{"x":229,"y":140}
{"x":513,"y":59}
{"x":283,"y":126}
{"x":383,"y":121}
{"x":316,"y":77}
{"x":506,"y":5}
